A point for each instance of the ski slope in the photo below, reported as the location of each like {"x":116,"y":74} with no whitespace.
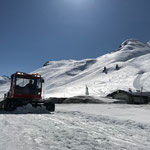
{"x":66,"y":78}
{"x":4,"y":85}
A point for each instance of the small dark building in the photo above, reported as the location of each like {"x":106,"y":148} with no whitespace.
{"x":131,"y":97}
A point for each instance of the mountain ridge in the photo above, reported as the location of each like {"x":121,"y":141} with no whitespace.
{"x":67,"y":78}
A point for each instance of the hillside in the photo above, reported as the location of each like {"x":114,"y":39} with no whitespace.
{"x":69,"y":77}
{"x":4,"y":85}
{"x":85,"y":126}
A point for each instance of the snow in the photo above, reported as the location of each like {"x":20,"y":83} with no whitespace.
{"x":67,"y":78}
{"x":78,"y":127}
{"x":102,"y":126}
{"x":148,"y":43}
{"x":4,"y":85}
{"x":138,"y":113}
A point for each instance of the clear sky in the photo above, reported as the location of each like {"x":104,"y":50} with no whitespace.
{"x":35,"y":31}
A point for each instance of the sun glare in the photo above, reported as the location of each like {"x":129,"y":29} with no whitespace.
{"x":77,"y":3}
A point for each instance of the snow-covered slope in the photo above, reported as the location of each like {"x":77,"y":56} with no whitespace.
{"x":69,"y":77}
{"x":148,"y":43}
{"x":4,"y":85}
{"x":90,"y":126}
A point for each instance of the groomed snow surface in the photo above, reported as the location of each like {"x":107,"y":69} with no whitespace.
{"x":78,"y":127}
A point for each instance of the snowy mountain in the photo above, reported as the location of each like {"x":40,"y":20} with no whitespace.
{"x":4,"y":85}
{"x":4,"y":79}
{"x":148,"y":43}
{"x":70,"y":77}
{"x":85,"y":126}
{"x":67,"y":78}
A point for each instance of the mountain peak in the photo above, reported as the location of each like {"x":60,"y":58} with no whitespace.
{"x":131,"y":44}
{"x":65,"y":78}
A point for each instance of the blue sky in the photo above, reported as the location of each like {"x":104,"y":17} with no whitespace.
{"x":35,"y":31}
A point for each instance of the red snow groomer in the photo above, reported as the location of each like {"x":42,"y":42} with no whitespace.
{"x":25,"y":89}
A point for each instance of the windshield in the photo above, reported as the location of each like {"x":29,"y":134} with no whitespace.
{"x":28,"y":86}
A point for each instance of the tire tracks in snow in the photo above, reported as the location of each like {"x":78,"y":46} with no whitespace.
{"x":102,"y":132}
{"x":73,"y":130}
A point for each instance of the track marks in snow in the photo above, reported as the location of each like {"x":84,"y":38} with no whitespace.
{"x":71,"y":130}
{"x":108,"y":133}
